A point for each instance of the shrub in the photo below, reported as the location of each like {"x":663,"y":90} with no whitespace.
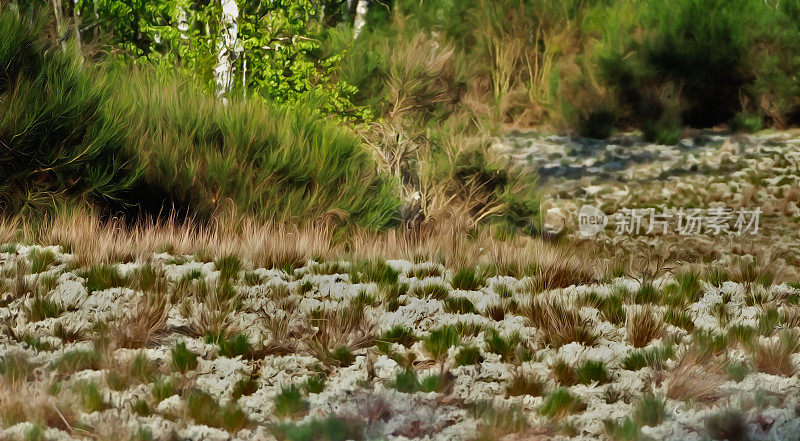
{"x":60,"y":139}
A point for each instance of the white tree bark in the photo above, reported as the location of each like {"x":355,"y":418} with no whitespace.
{"x":59,"y":23}
{"x":77,"y":25}
{"x":182,"y":19}
{"x":361,"y":17}
{"x":223,"y":71}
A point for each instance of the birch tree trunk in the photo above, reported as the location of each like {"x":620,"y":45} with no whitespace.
{"x":77,"y":26}
{"x":361,"y":17}
{"x":59,"y":23}
{"x":223,"y":72}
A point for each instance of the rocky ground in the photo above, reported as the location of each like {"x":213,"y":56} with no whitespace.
{"x":181,"y":347}
{"x":707,"y":170}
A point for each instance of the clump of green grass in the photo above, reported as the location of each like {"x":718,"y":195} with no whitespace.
{"x":15,"y":368}
{"x":459,"y":305}
{"x":561,"y":403}
{"x":183,"y":360}
{"x":431,"y":291}
{"x":141,"y":408}
{"x":654,"y":357}
{"x":525,"y":384}
{"x":163,"y":388}
{"x":503,"y":290}
{"x":68,"y":334}
{"x":91,"y":400}
{"x":468,"y":355}
{"x":36,"y":343}
{"x":592,"y":372}
{"x":627,"y":430}
{"x":425,"y":271}
{"x":331,"y":429}
{"x":78,"y":360}
{"x":204,"y":409}
{"x":40,"y":259}
{"x":646,"y":294}
{"x":468,"y":279}
{"x":314,"y":384}
{"x":245,"y":386}
{"x":564,"y":373}
{"x":397,"y":334}
{"x":228,"y":267}
{"x":680,"y":318}
{"x":43,"y":307}
{"x":406,"y":381}
{"x":289,"y":402}
{"x":650,"y":410}
{"x":496,"y":422}
{"x":768,"y":321}
{"x":439,"y":341}
{"x":504,"y":347}
{"x":377,"y":271}
{"x":434,"y":383}
{"x":234,"y":346}
{"x":101,"y":277}
{"x":737,"y":370}
{"x":469,"y":329}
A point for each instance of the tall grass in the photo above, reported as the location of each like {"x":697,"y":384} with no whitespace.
{"x":133,"y":141}
{"x":598,"y":66}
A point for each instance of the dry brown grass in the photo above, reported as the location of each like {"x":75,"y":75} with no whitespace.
{"x":336,"y":328}
{"x":31,"y":402}
{"x":695,"y":377}
{"x":449,"y":242}
{"x":559,"y":324}
{"x":142,"y":326}
{"x":642,"y":325}
{"x":775,"y":357}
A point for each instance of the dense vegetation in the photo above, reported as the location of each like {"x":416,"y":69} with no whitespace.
{"x":390,"y":122}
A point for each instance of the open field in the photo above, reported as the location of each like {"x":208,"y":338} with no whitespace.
{"x":188,"y":347}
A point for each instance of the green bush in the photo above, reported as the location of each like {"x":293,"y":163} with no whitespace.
{"x":59,"y":139}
